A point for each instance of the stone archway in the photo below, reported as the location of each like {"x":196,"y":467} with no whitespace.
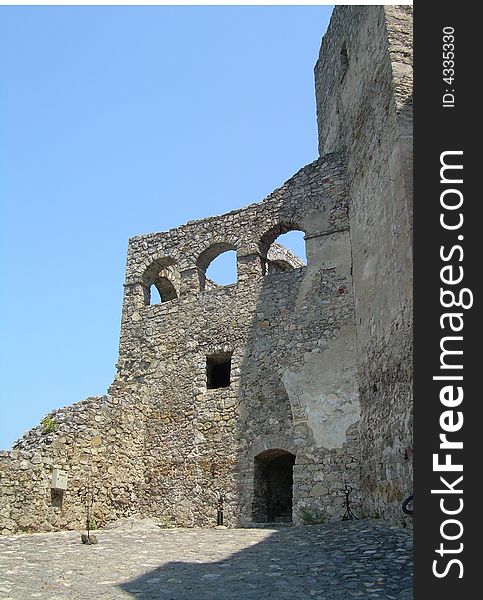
{"x":273,"y":486}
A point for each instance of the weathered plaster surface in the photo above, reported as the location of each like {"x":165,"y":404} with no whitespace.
{"x":324,"y":391}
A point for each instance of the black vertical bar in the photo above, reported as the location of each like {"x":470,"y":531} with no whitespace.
{"x":446,"y":120}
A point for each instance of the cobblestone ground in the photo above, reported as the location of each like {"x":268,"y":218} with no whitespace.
{"x":138,"y":560}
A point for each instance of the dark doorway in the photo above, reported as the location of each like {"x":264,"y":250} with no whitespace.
{"x":273,"y":486}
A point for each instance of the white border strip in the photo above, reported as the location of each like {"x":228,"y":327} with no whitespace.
{"x":193,"y":3}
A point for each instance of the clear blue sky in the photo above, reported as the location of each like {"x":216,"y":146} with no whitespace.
{"x":118,"y":121}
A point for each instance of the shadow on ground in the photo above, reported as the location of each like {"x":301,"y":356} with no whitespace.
{"x":337,"y":561}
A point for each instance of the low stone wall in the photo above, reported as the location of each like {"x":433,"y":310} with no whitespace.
{"x":99,"y":440}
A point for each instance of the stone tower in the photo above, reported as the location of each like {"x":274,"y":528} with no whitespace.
{"x":278,"y":390}
{"x":364,"y":108}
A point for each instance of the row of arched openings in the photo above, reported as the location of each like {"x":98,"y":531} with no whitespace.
{"x":219,"y":265}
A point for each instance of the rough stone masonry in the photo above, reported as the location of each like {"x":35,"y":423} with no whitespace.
{"x":280,"y":389}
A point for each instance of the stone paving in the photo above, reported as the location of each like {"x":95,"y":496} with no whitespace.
{"x":139,"y":560}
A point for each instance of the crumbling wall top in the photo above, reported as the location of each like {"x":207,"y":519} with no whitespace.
{"x":313,"y":200}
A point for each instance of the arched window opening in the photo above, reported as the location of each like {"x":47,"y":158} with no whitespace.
{"x":162,"y":290}
{"x":154,"y":296}
{"x":285,"y":250}
{"x":217,"y":266}
{"x":295,"y":242}
{"x":160,"y":282}
{"x":222,"y":270}
{"x":273,"y":486}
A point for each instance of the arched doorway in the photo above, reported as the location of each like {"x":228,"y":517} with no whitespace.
{"x":273,"y":486}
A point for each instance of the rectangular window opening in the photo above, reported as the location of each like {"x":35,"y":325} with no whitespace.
{"x":218,"y":370}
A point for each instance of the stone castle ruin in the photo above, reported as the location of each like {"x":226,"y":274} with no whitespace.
{"x":277,"y":390}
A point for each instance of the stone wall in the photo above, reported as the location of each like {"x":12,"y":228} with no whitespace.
{"x":100,"y":438}
{"x":364,"y":106}
{"x":162,"y":443}
{"x":277,"y":326}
